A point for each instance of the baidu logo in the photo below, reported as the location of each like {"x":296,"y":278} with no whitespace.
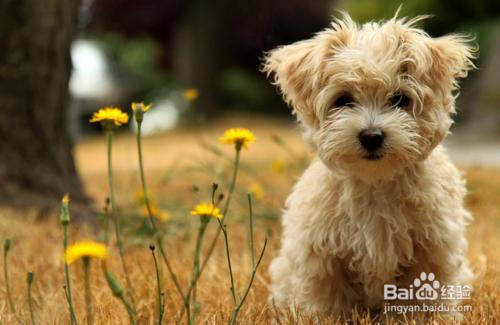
{"x":427,"y":287}
{"x":430,"y":293}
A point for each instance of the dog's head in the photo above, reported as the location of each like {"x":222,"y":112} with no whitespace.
{"x":372,"y":98}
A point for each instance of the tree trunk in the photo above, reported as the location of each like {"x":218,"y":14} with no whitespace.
{"x":199,"y":47}
{"x":36,"y":162}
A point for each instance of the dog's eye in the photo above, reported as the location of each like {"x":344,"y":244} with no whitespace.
{"x":344,"y":100}
{"x":399,"y":100}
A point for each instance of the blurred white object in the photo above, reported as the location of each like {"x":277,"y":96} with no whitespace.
{"x":95,"y":82}
{"x":91,"y":78}
{"x":163,"y":116}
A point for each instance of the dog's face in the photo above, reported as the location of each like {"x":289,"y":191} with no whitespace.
{"x":373,"y":98}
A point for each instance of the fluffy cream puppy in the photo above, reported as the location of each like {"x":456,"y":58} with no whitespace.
{"x":381,"y":202}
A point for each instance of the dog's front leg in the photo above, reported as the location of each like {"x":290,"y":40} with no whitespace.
{"x":315,"y":283}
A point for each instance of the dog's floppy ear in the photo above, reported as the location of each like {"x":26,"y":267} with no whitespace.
{"x":297,"y":68}
{"x":294,"y":69}
{"x":451,"y":60}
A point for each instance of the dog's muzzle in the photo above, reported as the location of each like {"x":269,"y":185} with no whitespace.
{"x":372,"y":139}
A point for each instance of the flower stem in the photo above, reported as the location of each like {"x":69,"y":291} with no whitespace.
{"x":117,"y":291}
{"x":250,"y":221}
{"x":30,"y":278}
{"x":143,"y":177}
{"x":228,"y":258}
{"x":226,"y":207}
{"x":233,"y":181}
{"x":196,"y":263}
{"x":213,"y":243}
{"x":68,"y":280}
{"x":119,"y":243}
{"x":130,"y":309}
{"x":88,"y":293}
{"x":6,"y":249}
{"x":164,"y":256}
{"x":156,"y":233}
{"x":237,"y":305}
{"x":249,"y":286}
{"x":158,"y":283}
{"x":107,"y":217}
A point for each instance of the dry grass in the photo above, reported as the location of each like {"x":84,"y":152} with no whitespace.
{"x":37,"y":242}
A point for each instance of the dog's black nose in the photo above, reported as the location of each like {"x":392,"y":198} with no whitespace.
{"x":371,"y":139}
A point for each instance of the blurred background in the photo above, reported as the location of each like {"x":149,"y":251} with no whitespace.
{"x":197,"y":61}
{"x":150,"y":49}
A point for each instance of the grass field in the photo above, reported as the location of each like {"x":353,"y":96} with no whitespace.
{"x":175,"y":162}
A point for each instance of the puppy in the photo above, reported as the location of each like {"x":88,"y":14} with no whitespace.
{"x":381,"y":203}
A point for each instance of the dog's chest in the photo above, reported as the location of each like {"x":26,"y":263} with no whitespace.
{"x":375,"y":228}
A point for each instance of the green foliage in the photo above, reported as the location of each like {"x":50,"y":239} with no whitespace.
{"x":139,"y":59}
{"x":367,"y":10}
{"x":449,"y":16}
{"x":238,"y":83}
{"x":476,"y":18}
{"x":246,"y":90}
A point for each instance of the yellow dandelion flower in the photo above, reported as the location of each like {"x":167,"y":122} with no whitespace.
{"x":191,"y":94}
{"x":139,"y":195}
{"x":278,"y":166}
{"x":238,"y":136}
{"x":157,"y":213}
{"x":111,"y":115}
{"x":65,"y":200}
{"x":84,"y":249}
{"x":141,"y":106}
{"x":257,"y":191}
{"x":206,"y":210}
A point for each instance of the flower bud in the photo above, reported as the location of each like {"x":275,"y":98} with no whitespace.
{"x":30,"y":277}
{"x":139,"y":115}
{"x":139,"y":109}
{"x":114,"y":285}
{"x":6,"y":245}
{"x":64,"y":217}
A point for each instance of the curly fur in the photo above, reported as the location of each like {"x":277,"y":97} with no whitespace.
{"x":352,"y":225}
